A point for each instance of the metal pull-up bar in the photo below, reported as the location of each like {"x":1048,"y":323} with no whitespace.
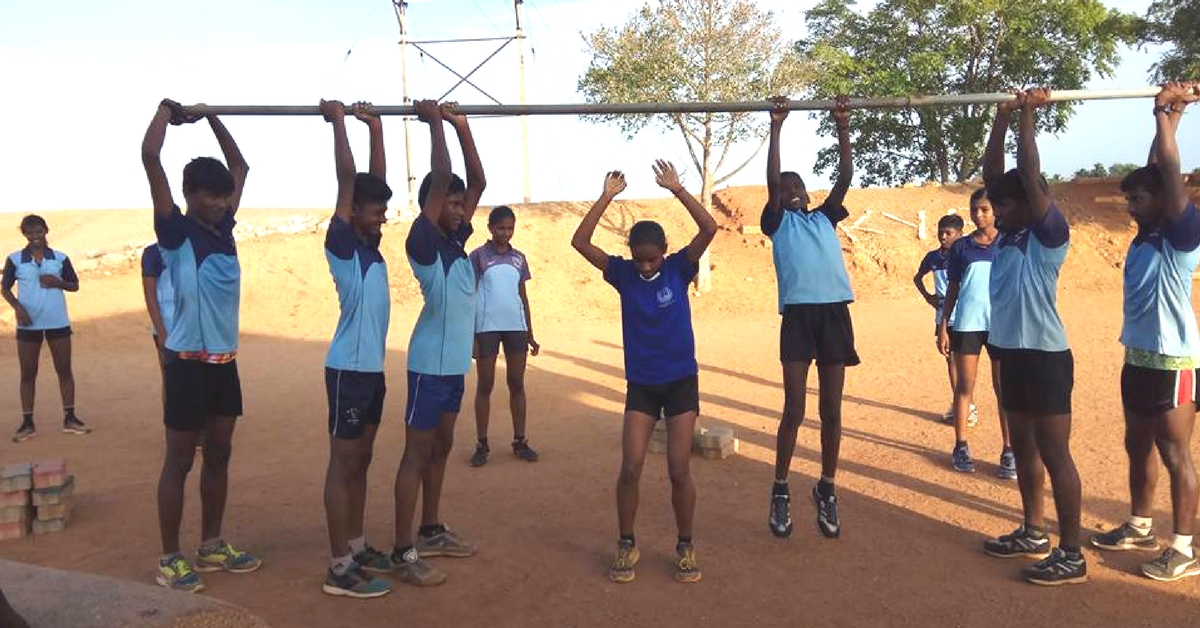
{"x":687,"y":107}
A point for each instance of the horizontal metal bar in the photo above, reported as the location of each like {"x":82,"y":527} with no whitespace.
{"x":456,"y":41}
{"x":688,"y":107}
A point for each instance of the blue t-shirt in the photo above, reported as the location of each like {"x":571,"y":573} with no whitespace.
{"x":500,"y":276}
{"x":47,"y":307}
{"x":970,"y":264}
{"x":656,"y":319}
{"x":154,"y":266}
{"x":808,"y":255}
{"x":935,"y":262}
{"x":1158,"y":288}
{"x":1024,"y":286}
{"x":360,"y":277}
{"x":207,"y":276}
{"x":441,"y":340}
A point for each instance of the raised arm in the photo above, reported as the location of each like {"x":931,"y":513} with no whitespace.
{"x":993,"y":155}
{"x":1168,"y":107}
{"x":366,"y":113}
{"x":841,"y":123}
{"x":237,"y":165}
{"x":614,"y":184}
{"x":779,"y":113}
{"x":439,"y":161}
{"x":1029,"y":164}
{"x":476,"y":182}
{"x":667,"y":177}
{"x":334,"y":113}
{"x":152,"y":143}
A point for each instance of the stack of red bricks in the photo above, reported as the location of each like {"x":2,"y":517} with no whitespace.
{"x":35,"y":497}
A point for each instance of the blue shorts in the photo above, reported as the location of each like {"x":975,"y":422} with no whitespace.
{"x":355,"y":401}
{"x":431,"y":396}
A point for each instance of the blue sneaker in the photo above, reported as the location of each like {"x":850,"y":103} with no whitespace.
{"x":1008,"y":466}
{"x":355,"y":583}
{"x":960,"y":459}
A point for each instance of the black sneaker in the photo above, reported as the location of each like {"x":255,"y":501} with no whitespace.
{"x":522,"y":450}
{"x":960,"y":459}
{"x":1019,"y":543}
{"x":1057,"y":569}
{"x":780,"y":518}
{"x":1125,"y":537}
{"x":73,"y":425}
{"x":827,"y":515}
{"x":480,"y":457}
{"x":25,"y":432}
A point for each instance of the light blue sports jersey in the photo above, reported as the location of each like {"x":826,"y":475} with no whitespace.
{"x":445,"y":329}
{"x":1158,"y":288}
{"x":935,"y":262}
{"x":154,"y":266}
{"x":207,"y":276}
{"x":360,"y":276}
{"x":970,"y":264}
{"x":1024,"y":286}
{"x":499,"y":306}
{"x":47,"y":307}
{"x":808,"y":255}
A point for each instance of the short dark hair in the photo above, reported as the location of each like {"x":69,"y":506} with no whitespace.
{"x":1010,"y":186}
{"x":33,"y":220}
{"x":951,"y":221}
{"x":369,"y":188}
{"x":207,"y":174}
{"x":790,"y":173}
{"x":977,"y":196}
{"x":647,"y":232}
{"x":1148,"y":178}
{"x":501,"y":212}
{"x":457,"y":186}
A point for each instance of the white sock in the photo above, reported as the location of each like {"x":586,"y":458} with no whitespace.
{"x":358,"y":546}
{"x":340,"y":564}
{"x":1183,"y":544}
{"x":1141,"y":523}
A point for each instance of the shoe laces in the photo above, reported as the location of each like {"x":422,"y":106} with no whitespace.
{"x":624,"y":558}
{"x":779,"y":507}
{"x":687,"y":559}
{"x":1164,"y":560}
{"x":180,"y":567}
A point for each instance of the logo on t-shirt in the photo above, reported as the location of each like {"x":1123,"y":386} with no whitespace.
{"x":665,"y":297}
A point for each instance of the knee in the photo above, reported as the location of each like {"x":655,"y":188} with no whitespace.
{"x":29,"y":373}
{"x":216,"y":455}
{"x":485,"y":385}
{"x":442,"y":445}
{"x":831,"y":415}
{"x":516,"y":384}
{"x":177,"y":465}
{"x":1176,"y":458}
{"x":793,"y":416}
{"x":630,"y":474}
{"x":680,"y":474}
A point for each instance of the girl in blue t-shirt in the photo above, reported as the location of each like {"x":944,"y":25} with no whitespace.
{"x":660,"y":359}
{"x":502,"y":320}
{"x":41,"y":276}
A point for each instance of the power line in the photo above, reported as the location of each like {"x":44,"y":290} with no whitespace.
{"x":337,"y":73}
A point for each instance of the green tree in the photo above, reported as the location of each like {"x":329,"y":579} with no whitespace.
{"x":908,"y":47}
{"x":694,"y":50}
{"x":1175,"y":23}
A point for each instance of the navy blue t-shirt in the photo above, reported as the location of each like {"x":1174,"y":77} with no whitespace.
{"x":656,"y":319}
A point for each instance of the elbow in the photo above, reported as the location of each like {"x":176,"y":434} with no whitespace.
{"x":709,"y":228}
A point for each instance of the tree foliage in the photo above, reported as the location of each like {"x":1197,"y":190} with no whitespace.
{"x":1113,"y":171}
{"x":908,"y":47}
{"x":1175,"y":23}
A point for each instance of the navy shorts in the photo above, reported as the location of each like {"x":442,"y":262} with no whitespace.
{"x":969,"y":342}
{"x":431,"y":396}
{"x":488,"y":343}
{"x":355,"y":401}
{"x":38,"y":335}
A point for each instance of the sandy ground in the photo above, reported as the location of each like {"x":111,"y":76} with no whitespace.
{"x":910,"y":549}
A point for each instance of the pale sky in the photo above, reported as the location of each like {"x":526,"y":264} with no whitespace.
{"x":83,"y":80}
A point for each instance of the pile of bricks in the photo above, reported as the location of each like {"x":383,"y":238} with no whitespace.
{"x":35,"y":498}
{"x":714,"y":443}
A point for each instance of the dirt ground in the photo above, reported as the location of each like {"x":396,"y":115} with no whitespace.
{"x":910,"y":550}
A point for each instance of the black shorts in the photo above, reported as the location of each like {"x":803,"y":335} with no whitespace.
{"x":196,"y":391}
{"x":38,"y":335}
{"x":937,"y":330}
{"x":488,"y":343}
{"x":1147,"y":392}
{"x":969,"y":342}
{"x":817,"y":331}
{"x":664,"y":400}
{"x":1036,"y":382}
{"x":355,"y":401}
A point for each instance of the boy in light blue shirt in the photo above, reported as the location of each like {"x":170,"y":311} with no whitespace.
{"x":949,"y":230}
{"x":439,"y":351}
{"x":1036,"y":366}
{"x":1158,"y":379}
{"x":41,"y":276}
{"x":814,"y":299}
